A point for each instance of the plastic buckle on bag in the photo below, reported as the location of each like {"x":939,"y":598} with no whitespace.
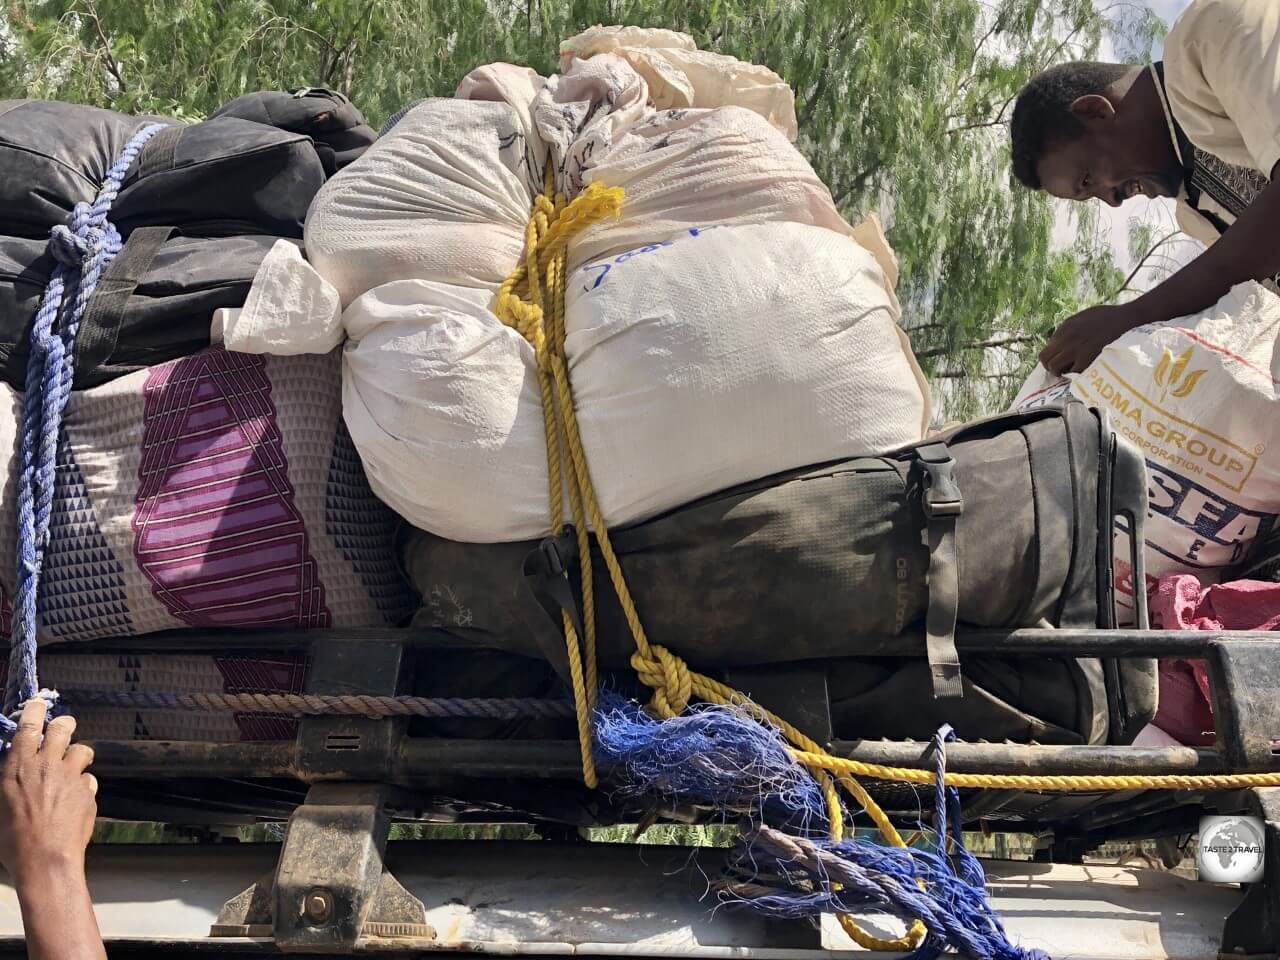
{"x":552,"y":562}
{"x":941,"y":494}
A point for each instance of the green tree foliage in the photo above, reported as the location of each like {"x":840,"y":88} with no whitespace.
{"x":902,"y":106}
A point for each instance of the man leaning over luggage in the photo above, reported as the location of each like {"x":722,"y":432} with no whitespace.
{"x":1202,"y":126}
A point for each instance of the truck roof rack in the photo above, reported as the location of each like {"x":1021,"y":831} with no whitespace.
{"x":343,"y":779}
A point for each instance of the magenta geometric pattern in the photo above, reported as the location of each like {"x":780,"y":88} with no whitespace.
{"x":285,"y":673}
{"x":216,"y":530}
{"x":267,"y":673}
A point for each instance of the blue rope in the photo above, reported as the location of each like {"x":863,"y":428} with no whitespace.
{"x":82,"y":249}
{"x":721,"y":757}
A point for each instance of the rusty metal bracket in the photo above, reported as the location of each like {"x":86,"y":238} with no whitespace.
{"x":349,"y":747}
{"x":330,"y":889}
{"x":1246,"y":710}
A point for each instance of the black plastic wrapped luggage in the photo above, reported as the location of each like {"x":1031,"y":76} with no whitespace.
{"x":198,"y":210}
{"x":327,"y":117}
{"x":1003,"y":523}
{"x":217,"y":178}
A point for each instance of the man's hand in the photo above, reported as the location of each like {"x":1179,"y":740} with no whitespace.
{"x":1079,"y":339}
{"x":47,"y":809}
{"x":47,"y":799}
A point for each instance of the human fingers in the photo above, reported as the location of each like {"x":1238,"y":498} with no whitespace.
{"x":26,"y":741}
{"x":1055,"y":358}
{"x":79,"y":757}
{"x":57,"y":737}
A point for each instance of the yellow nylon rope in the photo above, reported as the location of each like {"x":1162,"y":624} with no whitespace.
{"x":531,"y":301}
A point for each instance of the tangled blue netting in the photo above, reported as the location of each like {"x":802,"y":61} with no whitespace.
{"x":81,"y":249}
{"x":722,"y":757}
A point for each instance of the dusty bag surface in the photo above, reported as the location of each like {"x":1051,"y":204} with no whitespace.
{"x":219,"y":490}
{"x":335,"y":125}
{"x":1199,"y":396}
{"x":697,"y":363}
{"x":832,"y":561}
{"x":154,"y":302}
{"x":219,"y":177}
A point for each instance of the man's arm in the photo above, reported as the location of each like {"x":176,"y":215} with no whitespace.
{"x":47,"y":810}
{"x":1248,"y":250}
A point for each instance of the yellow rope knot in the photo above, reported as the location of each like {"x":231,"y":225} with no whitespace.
{"x":668,"y":677}
{"x":531,"y":301}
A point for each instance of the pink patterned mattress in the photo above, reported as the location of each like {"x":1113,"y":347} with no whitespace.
{"x":219,"y":490}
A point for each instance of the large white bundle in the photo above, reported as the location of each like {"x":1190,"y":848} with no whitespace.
{"x":678,"y":74}
{"x":729,"y":325}
{"x":720,"y":357}
{"x":445,"y":196}
{"x":1199,"y":397}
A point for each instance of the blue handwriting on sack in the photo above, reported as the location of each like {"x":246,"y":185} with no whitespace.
{"x":601,"y":270}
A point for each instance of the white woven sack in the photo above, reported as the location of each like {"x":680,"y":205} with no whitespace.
{"x":1199,"y":397}
{"x":445,"y":195}
{"x":698,"y":363}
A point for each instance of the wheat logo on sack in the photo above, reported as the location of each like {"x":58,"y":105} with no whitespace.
{"x":1169,"y":375}
{"x":1156,"y":419}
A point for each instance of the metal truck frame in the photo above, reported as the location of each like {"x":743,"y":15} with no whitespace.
{"x":335,"y":885}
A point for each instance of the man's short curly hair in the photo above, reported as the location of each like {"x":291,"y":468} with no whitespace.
{"x":1042,"y":116}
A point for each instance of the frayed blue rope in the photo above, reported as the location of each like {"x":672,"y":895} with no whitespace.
{"x":806,"y":871}
{"x":792,"y":877}
{"x":81,"y":250}
{"x":712,"y":755}
{"x":722,"y":757}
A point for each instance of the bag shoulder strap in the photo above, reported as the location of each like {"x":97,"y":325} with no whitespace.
{"x":943,"y":503}
{"x":104,"y":315}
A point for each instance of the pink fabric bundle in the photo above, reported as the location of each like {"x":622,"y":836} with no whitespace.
{"x":1179,"y":602}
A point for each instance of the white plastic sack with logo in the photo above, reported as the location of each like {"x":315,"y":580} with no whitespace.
{"x":699,"y":362}
{"x":1199,"y":397}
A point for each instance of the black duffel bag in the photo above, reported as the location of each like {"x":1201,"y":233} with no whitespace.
{"x":1006,"y":522}
{"x":216,"y":178}
{"x":333,"y":122}
{"x":198,"y":210}
{"x":154,"y":301}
